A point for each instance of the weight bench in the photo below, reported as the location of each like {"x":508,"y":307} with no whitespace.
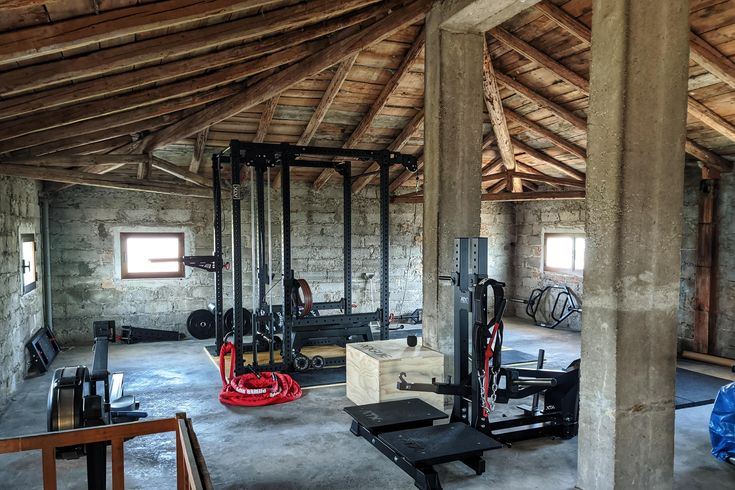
{"x":404,"y":431}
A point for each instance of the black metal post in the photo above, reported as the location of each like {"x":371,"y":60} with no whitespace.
{"x":236,"y":159}
{"x":384,"y":248}
{"x":288,"y":276}
{"x":218,"y":292}
{"x":347,"y":230}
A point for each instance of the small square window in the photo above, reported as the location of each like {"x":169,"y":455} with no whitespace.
{"x":564,"y":253}
{"x":28,"y":262}
{"x":151,"y":255}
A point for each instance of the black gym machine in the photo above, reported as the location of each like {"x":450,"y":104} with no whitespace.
{"x":299,"y":321}
{"x":403,"y":430}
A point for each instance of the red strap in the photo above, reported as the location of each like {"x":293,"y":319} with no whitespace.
{"x":489,"y":353}
{"x":249,"y":390}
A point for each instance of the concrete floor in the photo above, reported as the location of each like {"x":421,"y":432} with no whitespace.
{"x":307,"y":443}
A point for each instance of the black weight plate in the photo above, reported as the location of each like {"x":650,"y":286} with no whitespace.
{"x":246,"y":321}
{"x":200,"y":324}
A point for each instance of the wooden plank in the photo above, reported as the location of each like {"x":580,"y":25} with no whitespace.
{"x":144,"y":169}
{"x":710,"y":118}
{"x":118,"y":464}
{"x":708,"y":157}
{"x":198,"y":153}
{"x":497,"y":119}
{"x":507,"y":196}
{"x":565,"y":21}
{"x":533,"y":54}
{"x":706,"y":249}
{"x":397,"y":145}
{"x":77,"y":160}
{"x":109,"y":181}
{"x":547,"y":179}
{"x":86,"y":435}
{"x":543,"y":158}
{"x":543,"y":102}
{"x":81,"y":31}
{"x":326,"y":101}
{"x":547,"y":134}
{"x":709,"y":58}
{"x":278,"y":82}
{"x":48,"y":455}
{"x":187,"y":451}
{"x":97,"y":87}
{"x":176,"y":44}
{"x":265,"y":119}
{"x":388,"y":89}
{"x":180,"y":172}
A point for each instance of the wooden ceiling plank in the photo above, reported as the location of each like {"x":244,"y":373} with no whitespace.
{"x":198,"y":154}
{"x":265,"y":119}
{"x":278,"y":82}
{"x":110,"y":84}
{"x":497,"y":119}
{"x":396,"y":145}
{"x":107,"y":181}
{"x":709,"y":58}
{"x":180,"y":172}
{"x":710,"y":118}
{"x":176,"y":44}
{"x":75,"y":160}
{"x":546,"y":179}
{"x":548,"y":160}
{"x":81,"y":31}
{"x":547,"y":134}
{"x":388,"y":89}
{"x":708,"y":157}
{"x":533,"y":54}
{"x":565,"y":21}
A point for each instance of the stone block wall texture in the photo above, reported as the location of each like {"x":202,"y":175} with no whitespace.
{"x":20,"y":315}
{"x":724,"y":309}
{"x":532,"y":221}
{"x":86,"y":278}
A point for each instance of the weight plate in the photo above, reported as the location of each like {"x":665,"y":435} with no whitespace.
{"x":246,"y":321}
{"x":200,"y":324}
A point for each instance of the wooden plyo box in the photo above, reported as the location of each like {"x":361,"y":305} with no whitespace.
{"x":373,"y":369}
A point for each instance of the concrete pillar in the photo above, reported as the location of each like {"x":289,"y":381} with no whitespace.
{"x":453,"y":137}
{"x":635,"y":171}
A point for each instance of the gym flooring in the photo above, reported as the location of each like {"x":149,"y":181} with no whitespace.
{"x":307,"y":443}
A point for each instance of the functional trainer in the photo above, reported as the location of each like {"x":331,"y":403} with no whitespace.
{"x":404,"y":430}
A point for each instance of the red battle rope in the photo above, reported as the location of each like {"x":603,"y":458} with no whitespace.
{"x":488,"y":373}
{"x":247,"y":390}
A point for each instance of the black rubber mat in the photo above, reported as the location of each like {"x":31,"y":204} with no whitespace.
{"x":320,"y":377}
{"x":396,"y":412}
{"x":695,"y":389}
{"x":512,"y":356}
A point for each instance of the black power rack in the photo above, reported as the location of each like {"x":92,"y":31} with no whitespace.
{"x":267,"y":320}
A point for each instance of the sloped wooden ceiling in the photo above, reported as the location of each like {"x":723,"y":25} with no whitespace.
{"x":95,"y":87}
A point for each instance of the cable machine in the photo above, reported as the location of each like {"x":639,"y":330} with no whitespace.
{"x":299,"y":320}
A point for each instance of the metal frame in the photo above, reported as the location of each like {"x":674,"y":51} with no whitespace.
{"x":323,"y":329}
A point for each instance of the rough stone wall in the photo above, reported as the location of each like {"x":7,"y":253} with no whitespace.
{"x":724,"y":309}
{"x":532,"y":221}
{"x":86,"y":278}
{"x":20,"y":315}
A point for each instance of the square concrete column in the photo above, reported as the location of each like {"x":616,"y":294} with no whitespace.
{"x":453,"y":154}
{"x":637,"y":125}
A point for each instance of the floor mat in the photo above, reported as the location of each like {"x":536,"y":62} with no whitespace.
{"x":512,"y":356}
{"x":694,"y":389}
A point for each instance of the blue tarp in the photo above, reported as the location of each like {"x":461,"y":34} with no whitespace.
{"x":722,"y":424}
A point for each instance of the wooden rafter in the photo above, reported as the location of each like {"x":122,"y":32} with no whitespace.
{"x":497,"y":120}
{"x":82,"y":31}
{"x":180,"y":172}
{"x":83,"y":90}
{"x":277,"y":83}
{"x":707,"y":116}
{"x":265,"y":119}
{"x":176,"y":44}
{"x":364,"y":125}
{"x":709,"y":58}
{"x":504,"y":196}
{"x":396,"y":145}
{"x":109,"y":181}
{"x":547,"y":134}
{"x":76,"y":160}
{"x":548,"y":160}
{"x":198,"y":153}
{"x":546,"y":179}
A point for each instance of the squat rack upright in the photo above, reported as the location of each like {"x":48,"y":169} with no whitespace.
{"x":298,"y":329}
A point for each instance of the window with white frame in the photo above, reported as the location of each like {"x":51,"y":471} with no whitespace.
{"x":564,"y":252}
{"x":28,"y":262}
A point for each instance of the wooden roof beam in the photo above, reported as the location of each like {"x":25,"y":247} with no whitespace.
{"x":396,"y":18}
{"x":396,"y":145}
{"x":552,"y":162}
{"x":75,"y":160}
{"x":497,"y":119}
{"x":179,"y":172}
{"x":709,"y":58}
{"x":367,"y":120}
{"x":265,"y":119}
{"x":107,"y":181}
{"x":708,"y":117}
{"x":89,"y":29}
{"x":176,"y":44}
{"x":546,"y":179}
{"x":547,"y":134}
{"x":198,"y":153}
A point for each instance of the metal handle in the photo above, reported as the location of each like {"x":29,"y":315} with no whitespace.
{"x":25,"y":266}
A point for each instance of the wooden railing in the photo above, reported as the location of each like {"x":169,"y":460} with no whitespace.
{"x":191,"y":471}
